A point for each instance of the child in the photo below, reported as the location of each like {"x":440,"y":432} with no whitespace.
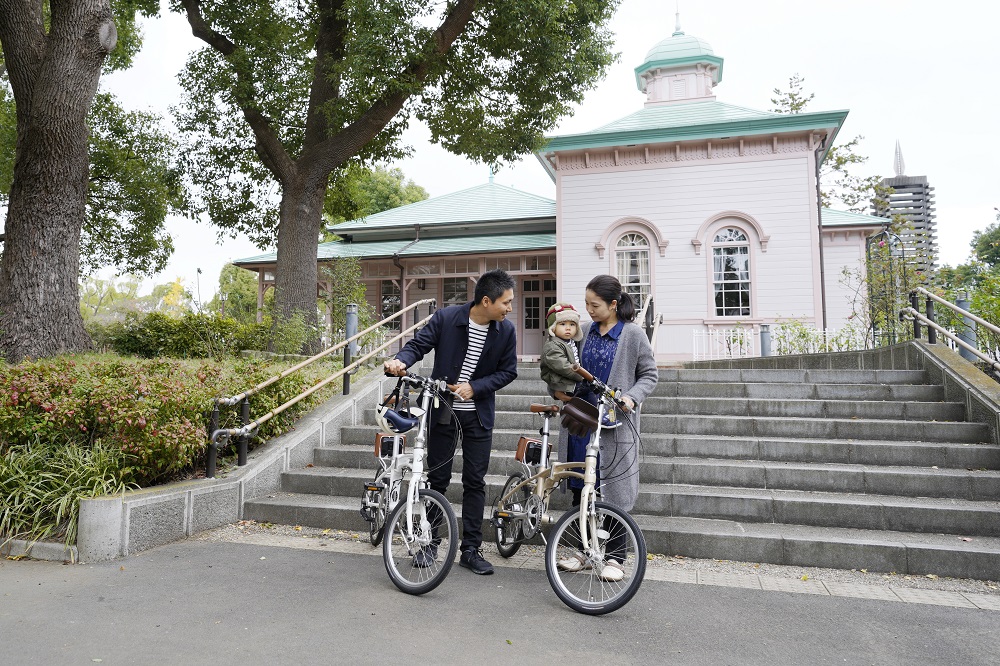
{"x":560,"y":353}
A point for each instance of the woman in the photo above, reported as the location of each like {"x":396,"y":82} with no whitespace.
{"x":616,"y":351}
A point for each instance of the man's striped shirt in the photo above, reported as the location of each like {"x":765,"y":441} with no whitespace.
{"x":477,"y":338}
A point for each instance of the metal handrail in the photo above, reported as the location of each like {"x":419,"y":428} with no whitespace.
{"x":656,"y":328}
{"x":223,"y":434}
{"x":911,"y":313}
{"x":233,"y":400}
{"x":642,"y":312}
{"x":955,"y":308}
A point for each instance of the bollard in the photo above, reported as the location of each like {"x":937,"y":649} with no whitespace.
{"x":931,"y":332}
{"x":915,"y":304}
{"x":351,"y":329}
{"x":244,"y":440}
{"x":765,"y":339}
{"x":968,"y":332}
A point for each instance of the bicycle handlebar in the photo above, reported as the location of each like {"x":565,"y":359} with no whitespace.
{"x":602,"y":389}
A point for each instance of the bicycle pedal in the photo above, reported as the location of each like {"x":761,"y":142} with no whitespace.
{"x":374,"y":487}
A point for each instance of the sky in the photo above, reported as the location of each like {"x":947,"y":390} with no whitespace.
{"x":918,"y":72}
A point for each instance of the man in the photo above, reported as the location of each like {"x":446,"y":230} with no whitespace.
{"x":474,"y":351}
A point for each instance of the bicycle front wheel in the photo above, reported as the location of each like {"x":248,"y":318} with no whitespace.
{"x":509,"y":532}
{"x":608,"y":576}
{"x":418,"y":560}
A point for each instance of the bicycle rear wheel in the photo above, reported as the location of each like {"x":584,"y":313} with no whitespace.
{"x":419,"y":561}
{"x":508,"y":531}
{"x":377,"y":504}
{"x":590,"y":584}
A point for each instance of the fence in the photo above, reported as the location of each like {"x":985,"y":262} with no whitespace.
{"x":724,"y":343}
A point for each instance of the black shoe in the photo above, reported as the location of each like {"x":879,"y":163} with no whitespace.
{"x":425,"y":557}
{"x":472,"y":558}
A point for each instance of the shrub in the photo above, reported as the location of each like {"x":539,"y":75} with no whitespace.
{"x":194,"y":335}
{"x":42,"y":483}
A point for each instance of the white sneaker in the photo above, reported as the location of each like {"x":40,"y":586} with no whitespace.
{"x":612,"y":572}
{"x":573,"y":563}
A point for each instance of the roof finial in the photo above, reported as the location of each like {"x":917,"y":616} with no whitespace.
{"x":677,"y":23}
{"x":897,"y":163}
{"x":491,"y":174}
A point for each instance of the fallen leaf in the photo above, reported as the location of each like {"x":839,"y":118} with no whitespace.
{"x":509,"y":642}
{"x":805,"y":576}
{"x":326,"y":531}
{"x":121,"y":568}
{"x":965,"y":538}
{"x":298,"y":528}
{"x":263,"y":558}
{"x":932,"y":576}
{"x":864,"y":571}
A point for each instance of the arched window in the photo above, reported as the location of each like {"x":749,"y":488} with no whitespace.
{"x":632,"y":260}
{"x":731,"y":273}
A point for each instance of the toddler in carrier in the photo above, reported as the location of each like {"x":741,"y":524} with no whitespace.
{"x":560,"y":353}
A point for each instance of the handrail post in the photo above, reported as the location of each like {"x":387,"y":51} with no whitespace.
{"x":649,"y":320}
{"x":350,"y":329}
{"x":915,"y":304}
{"x":931,"y":331}
{"x":969,"y":332}
{"x":241,"y":448}
{"x":213,"y":425}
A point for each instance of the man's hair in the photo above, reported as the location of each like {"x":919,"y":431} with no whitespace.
{"x":493,"y":284}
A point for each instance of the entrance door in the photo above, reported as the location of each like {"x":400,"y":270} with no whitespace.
{"x":537,"y":296}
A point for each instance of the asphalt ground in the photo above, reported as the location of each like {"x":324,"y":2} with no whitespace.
{"x":220,"y":601}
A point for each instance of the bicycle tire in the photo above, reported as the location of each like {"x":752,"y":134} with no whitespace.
{"x":510,"y":535}
{"x":398,"y":556}
{"x":377,"y":525}
{"x":585,"y":591}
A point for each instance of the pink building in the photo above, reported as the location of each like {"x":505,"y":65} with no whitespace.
{"x":708,"y":209}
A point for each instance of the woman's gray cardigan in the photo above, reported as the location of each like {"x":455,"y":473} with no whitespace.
{"x":634,"y":372}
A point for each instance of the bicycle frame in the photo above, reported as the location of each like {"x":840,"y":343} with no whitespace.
{"x":543,"y":482}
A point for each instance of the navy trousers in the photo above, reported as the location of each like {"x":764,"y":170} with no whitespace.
{"x":477,"y":442}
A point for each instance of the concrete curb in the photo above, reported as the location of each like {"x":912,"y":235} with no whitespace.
{"x":39,"y":550}
{"x":111,"y":527}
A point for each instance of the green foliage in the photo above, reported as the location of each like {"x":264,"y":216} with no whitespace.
{"x":193,"y":335}
{"x":301,"y":83}
{"x":986,"y":245}
{"x":358,"y":192}
{"x":42,"y":483}
{"x":792,"y":100}
{"x":134,"y":184}
{"x":73,"y":427}
{"x":107,"y":300}
{"x":292,"y":335}
{"x":796,"y":337}
{"x":840,"y":182}
{"x":237,"y":294}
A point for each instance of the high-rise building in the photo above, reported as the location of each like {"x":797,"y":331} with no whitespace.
{"x":913,"y":200}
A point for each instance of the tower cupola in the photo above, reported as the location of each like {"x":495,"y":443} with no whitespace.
{"x":681,"y":68}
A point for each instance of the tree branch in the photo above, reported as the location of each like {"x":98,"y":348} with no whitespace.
{"x":22,"y":33}
{"x":272,"y":153}
{"x":330,"y":39}
{"x":334,"y":151}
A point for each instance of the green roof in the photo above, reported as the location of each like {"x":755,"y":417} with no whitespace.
{"x":677,"y":50}
{"x":836,"y":218}
{"x":484,"y":203}
{"x":428,"y":247}
{"x":663,"y":123}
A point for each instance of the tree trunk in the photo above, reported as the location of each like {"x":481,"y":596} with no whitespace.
{"x":54,"y":78}
{"x":296,"y":271}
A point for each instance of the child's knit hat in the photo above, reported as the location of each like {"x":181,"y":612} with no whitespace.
{"x":563,"y":312}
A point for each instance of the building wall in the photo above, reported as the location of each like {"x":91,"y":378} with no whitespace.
{"x":842,"y":251}
{"x":684,"y":203}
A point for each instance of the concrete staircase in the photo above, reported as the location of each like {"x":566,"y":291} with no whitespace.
{"x":853,"y":469}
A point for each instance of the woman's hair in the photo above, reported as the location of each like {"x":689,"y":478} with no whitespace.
{"x":608,"y":288}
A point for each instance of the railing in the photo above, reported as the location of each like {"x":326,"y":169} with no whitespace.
{"x":656,"y":329}
{"x":244,"y":432}
{"x":720,"y":343}
{"x":966,"y":342}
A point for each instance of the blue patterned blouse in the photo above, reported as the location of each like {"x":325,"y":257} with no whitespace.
{"x":597,"y":358}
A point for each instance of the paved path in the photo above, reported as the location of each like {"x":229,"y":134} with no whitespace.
{"x":217,"y":602}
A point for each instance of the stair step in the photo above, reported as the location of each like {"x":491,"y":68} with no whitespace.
{"x":944,"y":554}
{"x":729,"y":376}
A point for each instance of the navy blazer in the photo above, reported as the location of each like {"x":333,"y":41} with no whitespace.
{"x":447,"y":333}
